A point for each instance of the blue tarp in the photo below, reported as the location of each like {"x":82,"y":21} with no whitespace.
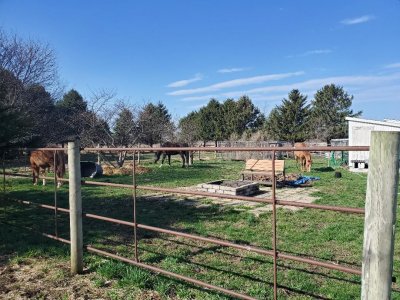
{"x":301,"y":180}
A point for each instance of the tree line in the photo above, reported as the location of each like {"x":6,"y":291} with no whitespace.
{"x":294,"y":120}
{"x":33,"y":111}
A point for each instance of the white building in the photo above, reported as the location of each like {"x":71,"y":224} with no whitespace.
{"x":360,"y":135}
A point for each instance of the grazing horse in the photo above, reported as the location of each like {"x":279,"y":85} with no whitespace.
{"x":304,"y":157}
{"x":43,"y":159}
{"x":184,"y":154}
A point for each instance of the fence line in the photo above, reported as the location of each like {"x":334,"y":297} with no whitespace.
{"x":209,"y":149}
{"x":204,"y":239}
{"x":354,"y":210}
{"x":275,"y":253}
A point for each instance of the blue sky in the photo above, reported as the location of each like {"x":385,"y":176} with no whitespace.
{"x":184,"y":52}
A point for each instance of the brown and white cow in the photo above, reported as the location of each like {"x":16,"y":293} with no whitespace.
{"x":44,"y":159}
{"x":304,"y":157}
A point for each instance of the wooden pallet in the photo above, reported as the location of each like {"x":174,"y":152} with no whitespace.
{"x":263,"y":167}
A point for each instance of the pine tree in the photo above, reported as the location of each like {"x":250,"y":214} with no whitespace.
{"x":248,"y":116}
{"x":155,"y":123}
{"x":212,"y":123}
{"x":189,"y":127}
{"x":72,"y":111}
{"x":125,"y":129}
{"x":330,"y":107}
{"x":73,"y":102}
{"x":290,"y":120}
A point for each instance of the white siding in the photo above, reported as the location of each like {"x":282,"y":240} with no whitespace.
{"x":360,"y":134}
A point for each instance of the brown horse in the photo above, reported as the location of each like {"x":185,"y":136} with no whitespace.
{"x":303,"y":156}
{"x":184,"y":154}
{"x":44,"y":159}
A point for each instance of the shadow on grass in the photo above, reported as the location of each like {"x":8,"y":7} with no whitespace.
{"x":155,"y":211}
{"x":165,"y":176}
{"x":217,"y":249}
{"x":160,"y":257}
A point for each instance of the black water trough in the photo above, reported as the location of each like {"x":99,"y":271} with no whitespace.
{"x":90,"y":169}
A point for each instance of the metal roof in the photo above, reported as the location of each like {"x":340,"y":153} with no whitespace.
{"x":390,"y":123}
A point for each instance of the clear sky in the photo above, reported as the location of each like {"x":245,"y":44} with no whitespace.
{"x":185,"y":52}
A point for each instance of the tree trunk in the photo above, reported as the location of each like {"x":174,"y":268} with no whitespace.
{"x":121,"y":158}
{"x":98,"y":155}
{"x":190,"y":158}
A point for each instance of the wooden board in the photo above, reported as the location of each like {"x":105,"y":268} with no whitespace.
{"x":264,"y":165}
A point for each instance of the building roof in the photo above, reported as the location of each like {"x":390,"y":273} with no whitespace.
{"x":390,"y":123}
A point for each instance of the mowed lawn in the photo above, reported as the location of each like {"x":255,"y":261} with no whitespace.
{"x":317,"y":234}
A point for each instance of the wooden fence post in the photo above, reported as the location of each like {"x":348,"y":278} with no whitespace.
{"x":75,"y":207}
{"x":380,"y":215}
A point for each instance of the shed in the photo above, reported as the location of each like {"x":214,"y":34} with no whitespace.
{"x":360,"y":135}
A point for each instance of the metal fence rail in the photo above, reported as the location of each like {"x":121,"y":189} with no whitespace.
{"x":134,"y":187}
{"x":220,"y":242}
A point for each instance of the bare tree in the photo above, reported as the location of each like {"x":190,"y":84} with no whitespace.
{"x":31,"y":61}
{"x":102,"y":124}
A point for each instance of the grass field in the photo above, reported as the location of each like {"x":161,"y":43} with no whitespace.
{"x":322,"y":235}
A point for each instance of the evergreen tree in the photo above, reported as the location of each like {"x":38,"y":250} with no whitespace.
{"x":156,"y":125}
{"x":240,"y":116}
{"x":73,"y":102}
{"x":248,"y":116}
{"x":218,"y":121}
{"x":330,"y":107}
{"x":125,"y":129}
{"x":13,"y":125}
{"x":230,"y":116}
{"x":290,"y":120}
{"x":189,"y":127}
{"x":40,"y":110}
{"x":212,"y":123}
{"x":27,"y":113}
{"x":72,"y":112}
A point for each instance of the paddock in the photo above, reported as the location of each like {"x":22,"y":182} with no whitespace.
{"x":275,"y":253}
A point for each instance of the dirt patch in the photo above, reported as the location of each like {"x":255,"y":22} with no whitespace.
{"x":301,"y":195}
{"x":47,"y":279}
{"x":50,"y":279}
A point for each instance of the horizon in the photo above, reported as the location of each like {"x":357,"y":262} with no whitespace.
{"x":184,"y":53}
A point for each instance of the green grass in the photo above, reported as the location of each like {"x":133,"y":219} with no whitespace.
{"x":322,"y":235}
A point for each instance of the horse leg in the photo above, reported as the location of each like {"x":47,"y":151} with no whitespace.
{"x":169,"y":159}
{"x":163,"y":159}
{"x":58,"y":176}
{"x":187,"y":156}
{"x":303,"y":163}
{"x":157,"y":157}
{"x":44,"y":175}
{"x":309,"y":162}
{"x":183,"y":159}
{"x":35,"y":174}
{"x":297,"y":160}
